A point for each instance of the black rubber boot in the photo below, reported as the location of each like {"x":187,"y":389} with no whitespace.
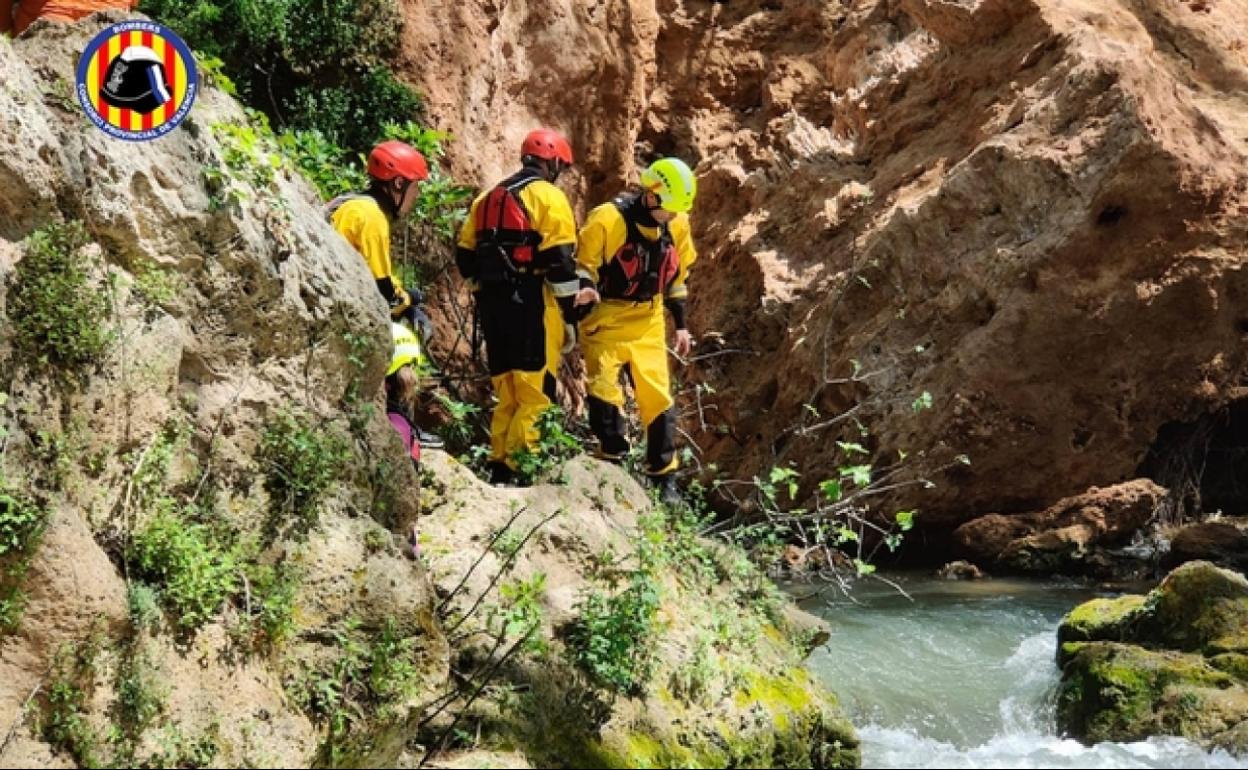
{"x":500,"y":474}
{"x":669,"y":493}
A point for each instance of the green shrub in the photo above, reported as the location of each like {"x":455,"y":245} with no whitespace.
{"x":319,"y":65}
{"x":251,"y":158}
{"x":140,"y":694}
{"x":351,"y":113}
{"x":63,"y":721}
{"x":460,"y":428}
{"x":155,"y":285}
{"x":555,"y":446}
{"x":273,"y":591}
{"x":612,"y":637}
{"x":519,"y":614}
{"x":66,"y":727}
{"x":22,"y":523}
{"x":58,"y":451}
{"x":57,"y":314}
{"x":372,"y":676}
{"x":193,"y":572}
{"x":177,"y":749}
{"x":301,"y":460}
{"x":143,"y":603}
{"x":325,"y":164}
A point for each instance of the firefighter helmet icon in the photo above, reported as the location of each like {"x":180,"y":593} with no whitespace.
{"x":136,"y":80}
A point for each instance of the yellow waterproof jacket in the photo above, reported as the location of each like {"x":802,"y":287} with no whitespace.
{"x":550,"y":215}
{"x":360,"y":220}
{"x":605,"y":232}
{"x":366,"y":227}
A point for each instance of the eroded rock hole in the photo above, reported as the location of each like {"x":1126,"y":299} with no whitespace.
{"x":1110,"y":216}
{"x":1204,"y":464}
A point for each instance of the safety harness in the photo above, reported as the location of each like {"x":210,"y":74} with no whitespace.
{"x":641,"y":269}
{"x":506,"y":241}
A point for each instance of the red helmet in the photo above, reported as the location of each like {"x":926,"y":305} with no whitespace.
{"x":547,"y":144}
{"x":393,"y":159}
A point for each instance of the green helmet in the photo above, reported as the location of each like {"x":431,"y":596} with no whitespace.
{"x":406,"y":348}
{"x":673,"y":182}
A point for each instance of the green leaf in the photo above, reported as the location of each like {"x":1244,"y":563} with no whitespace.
{"x":863,"y":568}
{"x":788,"y":477}
{"x":851,"y":448}
{"x":831,"y":489}
{"x":905,"y":520}
{"x":858,"y":475}
{"x":922,"y":402}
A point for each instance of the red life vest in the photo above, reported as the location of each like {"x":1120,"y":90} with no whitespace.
{"x":506,"y":241}
{"x":641,"y":269}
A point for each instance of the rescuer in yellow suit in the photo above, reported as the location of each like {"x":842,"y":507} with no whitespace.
{"x":637,"y":250}
{"x":516,"y":250}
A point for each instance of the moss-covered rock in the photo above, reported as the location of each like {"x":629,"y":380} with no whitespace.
{"x":1100,"y":620}
{"x":1172,"y":663}
{"x":1119,"y":692}
{"x":1201,"y":607}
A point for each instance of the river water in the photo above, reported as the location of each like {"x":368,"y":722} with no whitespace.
{"x":964,"y":676}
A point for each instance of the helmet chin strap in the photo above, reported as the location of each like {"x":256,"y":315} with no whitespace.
{"x":401,"y":192}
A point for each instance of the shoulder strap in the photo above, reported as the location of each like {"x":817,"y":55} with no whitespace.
{"x":627,"y":205}
{"x":520,"y":180}
{"x":513,"y":185}
{"x":332,"y":207}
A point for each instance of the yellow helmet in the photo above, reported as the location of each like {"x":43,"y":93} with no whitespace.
{"x":673,"y":182}
{"x":406,"y":348}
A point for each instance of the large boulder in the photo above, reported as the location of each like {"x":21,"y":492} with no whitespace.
{"x":1223,"y":541}
{"x":725,"y":685}
{"x":1172,"y":663}
{"x":1120,"y":692}
{"x":1070,"y":537}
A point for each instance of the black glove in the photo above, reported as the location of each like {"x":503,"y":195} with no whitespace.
{"x":573,"y":314}
{"x":400,"y":303}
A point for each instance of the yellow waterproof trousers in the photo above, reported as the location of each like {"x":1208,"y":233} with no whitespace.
{"x":525,"y":387}
{"x":620,"y":333}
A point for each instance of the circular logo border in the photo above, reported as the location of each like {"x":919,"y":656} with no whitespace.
{"x":170,"y":38}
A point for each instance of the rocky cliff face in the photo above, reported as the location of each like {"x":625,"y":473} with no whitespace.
{"x":1032,"y":210}
{"x":233,"y":319}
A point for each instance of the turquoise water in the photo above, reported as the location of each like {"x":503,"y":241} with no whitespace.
{"x":964,"y":676}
